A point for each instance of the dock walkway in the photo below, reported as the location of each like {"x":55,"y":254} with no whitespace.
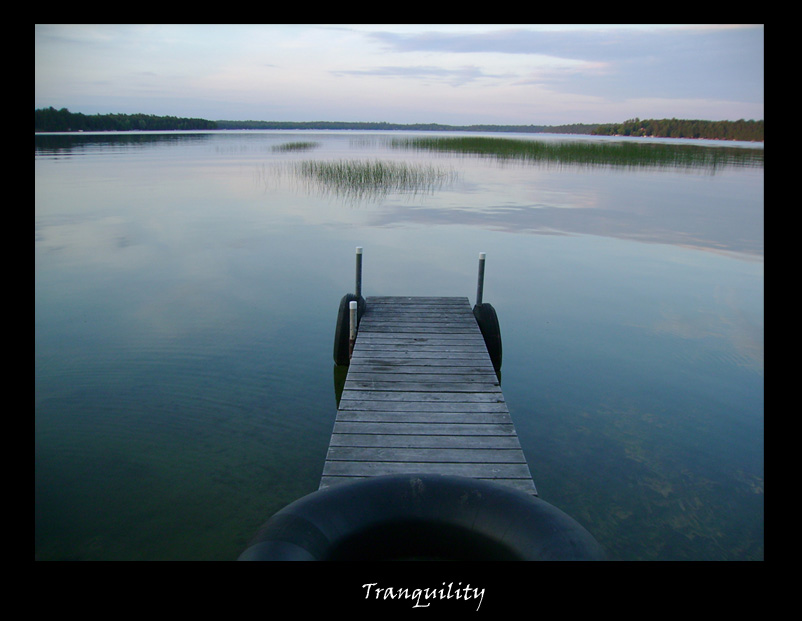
{"x":421,"y":395}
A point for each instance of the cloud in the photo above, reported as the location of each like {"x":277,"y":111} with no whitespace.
{"x":455,"y":77}
{"x":593,"y":43}
{"x":708,"y":62}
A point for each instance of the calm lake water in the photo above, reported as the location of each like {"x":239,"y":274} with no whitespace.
{"x":186,"y":292}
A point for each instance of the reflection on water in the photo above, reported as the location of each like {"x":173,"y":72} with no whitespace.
{"x":106,"y":142}
{"x":185,"y":311}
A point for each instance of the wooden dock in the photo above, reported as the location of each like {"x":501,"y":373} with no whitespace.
{"x":421,"y":395}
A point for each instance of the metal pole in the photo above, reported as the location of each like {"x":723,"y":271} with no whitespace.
{"x":358,"y":289}
{"x":352,"y":327}
{"x":481,"y":283}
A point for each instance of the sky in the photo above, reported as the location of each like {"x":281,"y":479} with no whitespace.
{"x":454,"y":74}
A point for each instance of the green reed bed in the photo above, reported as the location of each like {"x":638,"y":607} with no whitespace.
{"x":373,"y":178}
{"x":296,"y":146}
{"x":591,"y":153}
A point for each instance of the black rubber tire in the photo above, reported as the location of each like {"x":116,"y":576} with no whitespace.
{"x":421,"y":517}
{"x":491,"y":331}
{"x":341,"y":331}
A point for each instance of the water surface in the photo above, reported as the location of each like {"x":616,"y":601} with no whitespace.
{"x":186,"y":291}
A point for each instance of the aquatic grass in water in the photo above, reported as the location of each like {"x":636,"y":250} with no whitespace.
{"x":296,"y":146}
{"x":372,"y":179}
{"x":617,"y":154}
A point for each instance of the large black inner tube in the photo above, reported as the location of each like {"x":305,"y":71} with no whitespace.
{"x":421,"y":517}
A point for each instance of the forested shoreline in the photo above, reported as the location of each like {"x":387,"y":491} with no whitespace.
{"x":678,"y":128}
{"x":52,"y":120}
{"x":576,"y":128}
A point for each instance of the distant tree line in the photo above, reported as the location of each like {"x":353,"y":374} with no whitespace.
{"x":677,"y":128}
{"x":578,"y":128}
{"x":52,"y":120}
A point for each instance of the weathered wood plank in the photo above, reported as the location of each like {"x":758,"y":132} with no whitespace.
{"x":387,"y":372}
{"x":417,"y":336}
{"x":422,"y":406}
{"x":509,"y":441}
{"x":402,"y":379}
{"x":484,"y":471}
{"x":396,"y":362}
{"x":476,"y":386}
{"x":428,"y":397}
{"x":412,"y":353}
{"x":416,"y":416}
{"x":418,"y":454}
{"x":525,"y":485}
{"x":399,"y":301}
{"x":428,"y":428}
